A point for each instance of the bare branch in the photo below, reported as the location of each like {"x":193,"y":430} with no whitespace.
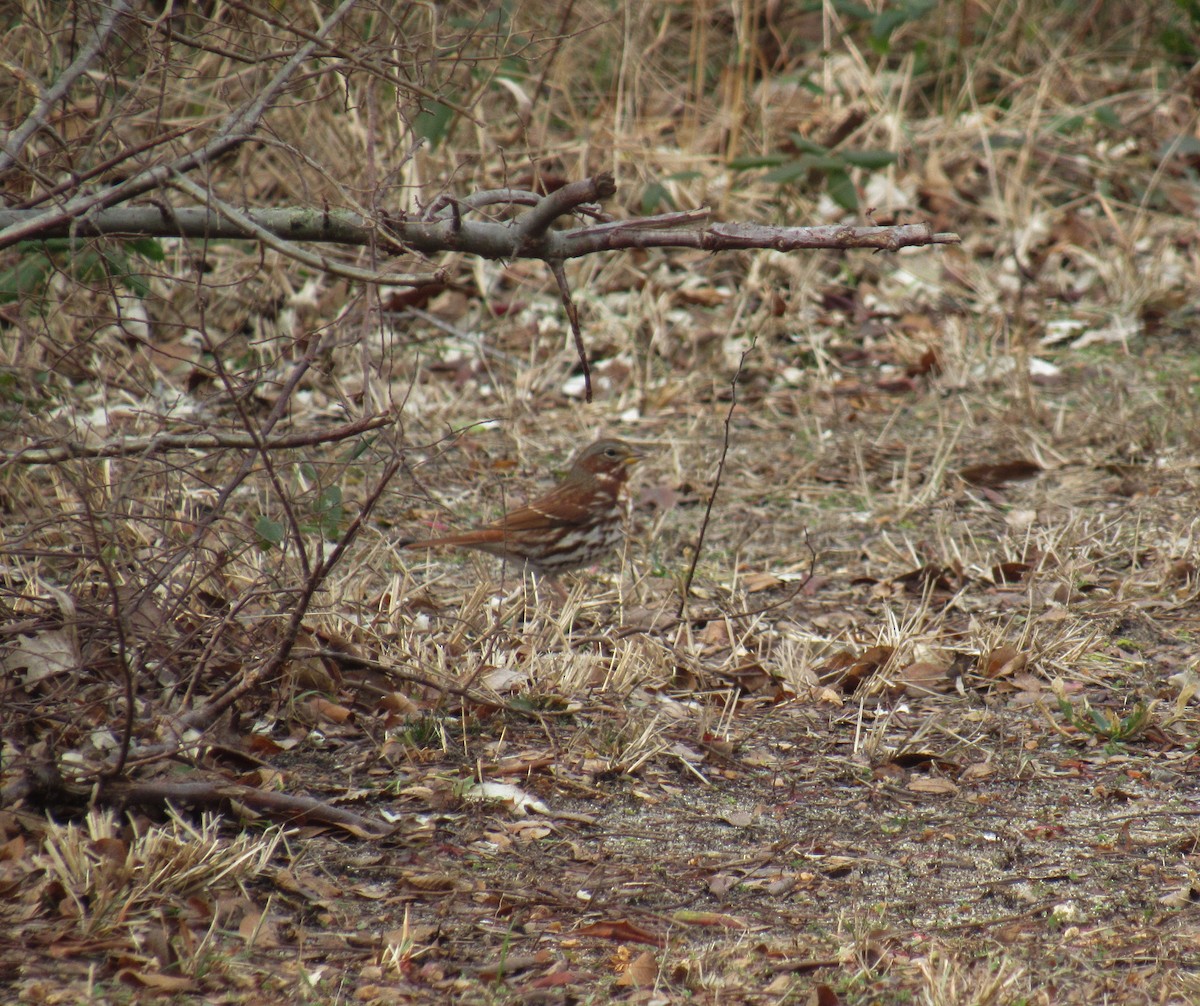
{"x":219,"y":793}
{"x":291,"y":250}
{"x":191,"y":442}
{"x":526,"y":237}
{"x":236,"y":129}
{"x":534,"y":223}
{"x":564,"y":289}
{"x":10,"y":152}
{"x":686,"y":588}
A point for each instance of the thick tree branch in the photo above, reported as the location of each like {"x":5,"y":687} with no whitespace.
{"x":525,"y":237}
{"x":291,"y":250}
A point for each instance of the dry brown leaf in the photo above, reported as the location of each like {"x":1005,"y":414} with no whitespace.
{"x":995,"y":475}
{"x":979,"y":770}
{"x":715,"y":634}
{"x":752,"y":678}
{"x":922,"y":678}
{"x":331,"y":712}
{"x":934,"y":786}
{"x":398,"y":704}
{"x":823,"y":995}
{"x":689,"y":917}
{"x":1004,"y":662}
{"x":1010,"y":572}
{"x":167,"y":984}
{"x":641,"y":971}
{"x":847,"y":672}
{"x":40,"y":655}
{"x":754,"y":583}
{"x":259,"y":932}
{"x":622,"y":930}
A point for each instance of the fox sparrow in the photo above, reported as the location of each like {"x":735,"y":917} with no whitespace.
{"x":575,"y":524}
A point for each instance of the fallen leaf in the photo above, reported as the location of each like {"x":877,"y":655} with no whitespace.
{"x":934,"y":786}
{"x":922,"y":678}
{"x":641,"y":971}
{"x":1003,"y":662}
{"x":715,"y":634}
{"x":1010,"y":572}
{"x":848,"y":672}
{"x":514,"y":796}
{"x":41,"y":655}
{"x":929,"y":577}
{"x":756,"y":582}
{"x":332,"y":712}
{"x":823,"y":995}
{"x":996,"y":475}
{"x":622,"y":930}
{"x":155,"y":980}
{"x":979,"y":770}
{"x":688,"y":917}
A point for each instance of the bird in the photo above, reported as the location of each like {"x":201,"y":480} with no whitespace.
{"x":575,"y":524}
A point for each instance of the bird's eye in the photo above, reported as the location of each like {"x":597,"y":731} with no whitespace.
{"x":611,"y":452}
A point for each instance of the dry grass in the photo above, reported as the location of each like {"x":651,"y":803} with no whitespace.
{"x":954,"y":767}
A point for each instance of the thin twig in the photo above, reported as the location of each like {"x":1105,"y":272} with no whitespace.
{"x":216,"y":705}
{"x":237,"y":128}
{"x":560,"y":277}
{"x":10,"y":152}
{"x":163,"y":442}
{"x":412,"y":677}
{"x":686,"y":588}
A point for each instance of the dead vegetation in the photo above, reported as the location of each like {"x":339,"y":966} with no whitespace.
{"x":925,"y":730}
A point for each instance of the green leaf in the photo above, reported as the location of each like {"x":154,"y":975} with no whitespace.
{"x":842,"y":190}
{"x":329,"y":511}
{"x":433,"y":123}
{"x":851,"y":8}
{"x":148,"y":248}
{"x":789,"y":172}
{"x":805,"y":145}
{"x":270,"y":532}
{"x":1181,"y":146}
{"x":762,"y":161}
{"x":22,"y":279}
{"x":1067,"y":124}
{"x":872,"y":160}
{"x":357,"y":449}
{"x":829,"y":165}
{"x":654,"y":196}
{"x":119,"y":268}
